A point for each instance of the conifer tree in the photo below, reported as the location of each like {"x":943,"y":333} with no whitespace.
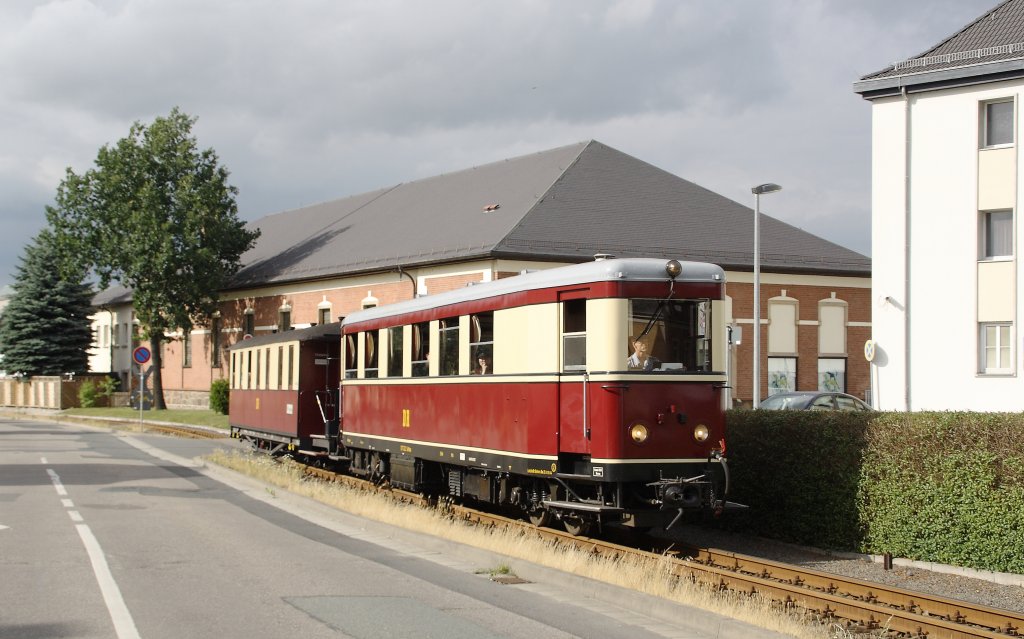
{"x":44,"y":329}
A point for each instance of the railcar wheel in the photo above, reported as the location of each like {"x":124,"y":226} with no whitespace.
{"x":539,"y":517}
{"x":576,"y":526}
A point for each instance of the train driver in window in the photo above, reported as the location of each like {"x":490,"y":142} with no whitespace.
{"x":482,"y":363}
{"x":640,"y":360}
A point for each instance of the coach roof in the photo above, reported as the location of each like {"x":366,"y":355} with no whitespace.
{"x":560,"y":205}
{"x":618,"y":270}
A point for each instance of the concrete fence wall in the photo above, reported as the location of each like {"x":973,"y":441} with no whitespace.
{"x":52,"y":392}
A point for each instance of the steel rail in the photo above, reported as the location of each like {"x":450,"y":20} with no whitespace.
{"x":859,"y":604}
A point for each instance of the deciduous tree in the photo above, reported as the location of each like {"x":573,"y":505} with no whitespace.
{"x":158,"y":215}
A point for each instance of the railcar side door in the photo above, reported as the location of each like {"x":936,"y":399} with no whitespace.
{"x":573,"y":429}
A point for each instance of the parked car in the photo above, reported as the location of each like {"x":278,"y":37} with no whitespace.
{"x":813,"y":400}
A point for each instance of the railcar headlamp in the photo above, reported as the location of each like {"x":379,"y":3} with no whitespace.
{"x":673,"y":268}
{"x":701,"y":432}
{"x":639,"y":433}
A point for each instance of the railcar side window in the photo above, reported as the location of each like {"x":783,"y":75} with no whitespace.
{"x":258,"y":368}
{"x":370,"y":355}
{"x":280,"y":368}
{"x":395,"y":351}
{"x":574,"y":335}
{"x":481,"y":343}
{"x":292,"y":377}
{"x":668,"y":335}
{"x":351,"y":356}
{"x":449,"y":346}
{"x":420,"y":349}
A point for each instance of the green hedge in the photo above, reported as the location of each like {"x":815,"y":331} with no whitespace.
{"x":799,"y":473}
{"x":944,"y":487}
{"x":220,"y":395}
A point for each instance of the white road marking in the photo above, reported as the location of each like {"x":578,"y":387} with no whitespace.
{"x":55,"y":478}
{"x":42,"y":460}
{"x":124,"y":625}
{"x":2,"y":527}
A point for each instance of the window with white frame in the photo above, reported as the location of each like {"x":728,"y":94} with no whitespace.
{"x":832,"y":374}
{"x":995,"y":234}
{"x":781,"y":375}
{"x":997,"y":124}
{"x":995,"y":348}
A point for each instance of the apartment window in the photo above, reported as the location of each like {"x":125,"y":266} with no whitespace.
{"x":284,"y":321}
{"x":323,"y":316}
{"x":215,"y":342}
{"x":186,"y":350}
{"x":574,"y":335}
{"x":995,"y":234}
{"x":996,"y":348}
{"x":449,"y":346}
{"x":998,"y":124}
{"x":249,"y":326}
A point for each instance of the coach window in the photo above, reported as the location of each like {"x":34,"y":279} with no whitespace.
{"x":281,"y":385}
{"x":420,"y":349}
{"x":351,"y":357}
{"x":481,"y":343}
{"x":395,"y":351}
{"x":370,"y":355}
{"x":574,"y":335}
{"x":449,"y":346}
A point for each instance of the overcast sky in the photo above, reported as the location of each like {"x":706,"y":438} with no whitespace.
{"x":313,"y":100}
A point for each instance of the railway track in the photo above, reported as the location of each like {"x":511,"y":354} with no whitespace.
{"x":859,"y":605}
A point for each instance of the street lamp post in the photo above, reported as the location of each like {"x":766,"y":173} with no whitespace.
{"x":758,"y":191}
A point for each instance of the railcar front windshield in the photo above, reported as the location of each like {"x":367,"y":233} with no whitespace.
{"x":669,"y":335}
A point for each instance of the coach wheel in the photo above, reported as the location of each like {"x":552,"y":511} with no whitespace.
{"x":576,"y":525}
{"x":539,"y":517}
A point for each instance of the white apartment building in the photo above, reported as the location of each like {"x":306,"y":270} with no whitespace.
{"x":946,"y":270}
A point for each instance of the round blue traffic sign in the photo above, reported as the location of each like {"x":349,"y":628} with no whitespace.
{"x":141,"y":355}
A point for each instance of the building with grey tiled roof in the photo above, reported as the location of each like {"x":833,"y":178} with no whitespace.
{"x":946,"y":179}
{"x":559,"y":206}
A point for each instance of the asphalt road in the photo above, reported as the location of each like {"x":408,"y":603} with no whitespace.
{"x":114,"y":535}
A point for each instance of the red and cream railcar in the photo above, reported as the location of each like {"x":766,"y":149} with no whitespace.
{"x":284,"y":388}
{"x":590,"y":393}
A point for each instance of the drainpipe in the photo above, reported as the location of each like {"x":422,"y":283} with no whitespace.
{"x":907,"y":121}
{"x":402,"y":272}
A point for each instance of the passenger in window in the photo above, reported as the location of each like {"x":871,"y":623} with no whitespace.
{"x":482,"y":365}
{"x":640,"y":360}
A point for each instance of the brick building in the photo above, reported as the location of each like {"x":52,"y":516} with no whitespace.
{"x":556,"y":207}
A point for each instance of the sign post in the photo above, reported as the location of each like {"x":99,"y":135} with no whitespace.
{"x":141,"y":356}
{"x":870,"y":350}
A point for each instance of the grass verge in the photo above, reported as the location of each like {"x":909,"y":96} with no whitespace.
{"x":197,"y":417}
{"x":648,"y":575}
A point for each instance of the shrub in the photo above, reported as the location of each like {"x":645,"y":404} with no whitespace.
{"x":220,"y":394}
{"x":87,"y":394}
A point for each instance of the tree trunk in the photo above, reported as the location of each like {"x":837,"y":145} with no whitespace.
{"x":158,"y":378}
